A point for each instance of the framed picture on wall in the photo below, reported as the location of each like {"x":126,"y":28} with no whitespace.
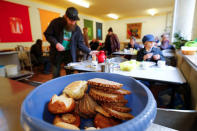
{"x":99,"y":30}
{"x":134,"y":29}
{"x":89,"y":25}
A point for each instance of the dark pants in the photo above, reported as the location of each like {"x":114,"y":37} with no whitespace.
{"x":62,"y":57}
{"x":43,"y":60}
{"x":47,"y":64}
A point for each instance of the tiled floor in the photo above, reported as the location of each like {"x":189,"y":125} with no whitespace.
{"x":40,"y":77}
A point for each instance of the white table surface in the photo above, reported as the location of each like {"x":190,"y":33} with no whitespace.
{"x":123,"y":53}
{"x":167,"y":74}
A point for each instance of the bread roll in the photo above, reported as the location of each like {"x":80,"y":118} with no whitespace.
{"x":61,"y":104}
{"x":76,"y":89}
{"x":66,"y":126}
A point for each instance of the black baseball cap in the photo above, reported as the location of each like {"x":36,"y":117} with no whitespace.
{"x":72,"y":13}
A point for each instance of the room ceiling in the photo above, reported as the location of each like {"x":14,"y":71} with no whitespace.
{"x":123,"y":8}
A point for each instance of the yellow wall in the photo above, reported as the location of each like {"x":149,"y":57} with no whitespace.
{"x":153,"y":24}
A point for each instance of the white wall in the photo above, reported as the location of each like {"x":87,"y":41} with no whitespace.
{"x":155,"y":25}
{"x":35,"y":22}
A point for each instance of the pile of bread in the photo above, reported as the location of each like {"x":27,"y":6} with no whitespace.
{"x":104,"y":102}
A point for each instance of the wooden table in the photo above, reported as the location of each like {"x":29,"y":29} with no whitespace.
{"x":12,"y":94}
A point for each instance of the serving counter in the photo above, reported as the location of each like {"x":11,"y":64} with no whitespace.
{"x":188,"y":66}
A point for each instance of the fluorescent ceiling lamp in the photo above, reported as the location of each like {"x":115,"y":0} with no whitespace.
{"x":81,"y":3}
{"x":152,"y":12}
{"x":114,"y":16}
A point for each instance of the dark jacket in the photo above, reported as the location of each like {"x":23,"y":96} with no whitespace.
{"x":94,"y":45}
{"x":54,"y":34}
{"x":166,"y":45}
{"x":136,"y":46}
{"x":141,"y":53}
{"x":112,"y":43}
{"x":36,"y":54}
{"x":36,"y":50}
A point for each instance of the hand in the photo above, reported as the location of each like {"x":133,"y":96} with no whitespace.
{"x":59,"y":47}
{"x":156,"y":57}
{"x":148,"y":56}
{"x":93,"y":52}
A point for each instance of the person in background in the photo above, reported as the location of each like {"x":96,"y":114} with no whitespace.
{"x":65,"y":37}
{"x":86,"y":38}
{"x":149,"y":52}
{"x":157,"y":42}
{"x":165,"y":43}
{"x":37,"y":57}
{"x":112,"y":43}
{"x":133,"y":44}
{"x":94,"y":44}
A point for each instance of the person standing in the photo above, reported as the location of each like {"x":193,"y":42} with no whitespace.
{"x":86,"y":38}
{"x":112,"y":43}
{"x":65,"y":37}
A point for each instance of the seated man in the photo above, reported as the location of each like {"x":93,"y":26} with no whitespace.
{"x":165,"y":43}
{"x":37,"y":57}
{"x":94,"y":44}
{"x":149,"y":52}
{"x":133,"y":44}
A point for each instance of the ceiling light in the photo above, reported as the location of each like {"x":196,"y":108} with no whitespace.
{"x":81,"y":3}
{"x":152,"y":11}
{"x":114,"y":16}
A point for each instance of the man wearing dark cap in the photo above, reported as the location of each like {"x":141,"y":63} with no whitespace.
{"x":112,"y":43}
{"x":65,"y":36}
{"x":149,"y":52}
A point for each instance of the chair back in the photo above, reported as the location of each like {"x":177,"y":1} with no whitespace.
{"x":24,"y":57}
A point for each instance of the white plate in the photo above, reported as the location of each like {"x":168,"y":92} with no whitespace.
{"x":147,"y":64}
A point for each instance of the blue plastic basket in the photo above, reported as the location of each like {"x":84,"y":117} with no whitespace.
{"x":35,"y":115}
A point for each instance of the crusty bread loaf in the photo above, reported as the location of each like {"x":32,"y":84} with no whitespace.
{"x":102,"y":111}
{"x":118,"y":108}
{"x":61,"y":104}
{"x":73,"y":119}
{"x":66,"y":126}
{"x":122,"y":103}
{"x":117,"y":114}
{"x":113,"y":91}
{"x":104,"y":83}
{"x":99,"y":95}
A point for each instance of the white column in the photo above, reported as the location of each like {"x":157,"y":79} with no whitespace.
{"x":183,"y":18}
{"x":194,"y":30}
